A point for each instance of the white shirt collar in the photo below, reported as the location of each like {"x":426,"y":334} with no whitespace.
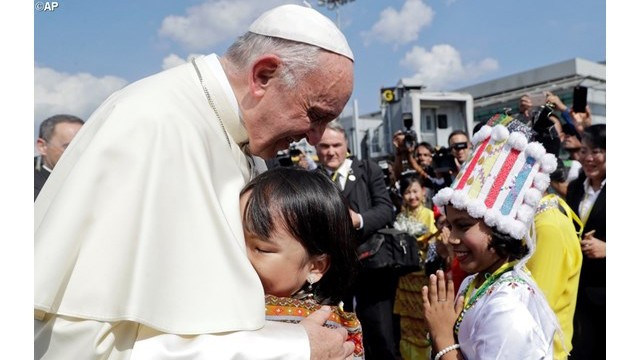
{"x":214,"y":62}
{"x":587,"y":186}
{"x":344,"y":168}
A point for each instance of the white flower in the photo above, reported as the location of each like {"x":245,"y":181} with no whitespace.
{"x":410,"y":225}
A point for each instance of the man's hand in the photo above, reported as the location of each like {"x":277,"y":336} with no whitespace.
{"x":581,"y":120}
{"x":555,"y":100}
{"x":593,"y":247}
{"x":398,"y":143}
{"x":326,"y":343}
{"x":355,"y":219}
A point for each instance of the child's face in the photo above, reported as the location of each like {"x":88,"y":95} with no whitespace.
{"x":470,"y":240}
{"x":413,"y":196}
{"x":282,"y":263}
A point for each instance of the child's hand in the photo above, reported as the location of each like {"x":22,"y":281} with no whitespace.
{"x":439,"y":309}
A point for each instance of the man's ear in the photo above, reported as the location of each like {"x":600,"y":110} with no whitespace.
{"x":319,"y":266}
{"x":41,"y":145}
{"x":263,"y":72}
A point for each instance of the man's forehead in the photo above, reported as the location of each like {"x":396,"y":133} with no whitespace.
{"x":332,"y":137}
{"x":458,"y":138}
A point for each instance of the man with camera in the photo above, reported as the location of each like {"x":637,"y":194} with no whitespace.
{"x":460,"y":147}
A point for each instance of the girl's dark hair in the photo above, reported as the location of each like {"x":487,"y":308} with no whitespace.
{"x":312,"y":209}
{"x":407,"y":180}
{"x":595,"y":136}
{"x":506,"y":246}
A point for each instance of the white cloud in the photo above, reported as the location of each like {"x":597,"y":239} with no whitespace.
{"x":442,"y":67}
{"x":76,"y":94}
{"x":214,"y":21}
{"x":174,"y":60}
{"x":400,"y":27}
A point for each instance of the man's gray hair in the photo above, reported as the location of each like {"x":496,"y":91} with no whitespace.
{"x":335,"y":125}
{"x":48,"y":125}
{"x":298,"y":58}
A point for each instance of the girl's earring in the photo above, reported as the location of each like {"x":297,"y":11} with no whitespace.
{"x":311,"y":280}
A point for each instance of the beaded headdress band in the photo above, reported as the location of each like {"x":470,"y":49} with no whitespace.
{"x":504,"y":179}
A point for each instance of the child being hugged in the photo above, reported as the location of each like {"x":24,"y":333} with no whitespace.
{"x":299,"y":239}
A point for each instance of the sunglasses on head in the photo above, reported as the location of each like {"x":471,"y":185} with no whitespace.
{"x":459,"y":145}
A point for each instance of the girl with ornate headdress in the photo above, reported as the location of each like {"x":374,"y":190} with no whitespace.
{"x":499,"y":311}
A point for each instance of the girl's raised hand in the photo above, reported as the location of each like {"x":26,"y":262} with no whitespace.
{"x":440,"y":312}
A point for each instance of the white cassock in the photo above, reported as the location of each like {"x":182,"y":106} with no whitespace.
{"x":139,"y":249}
{"x":510,"y":321}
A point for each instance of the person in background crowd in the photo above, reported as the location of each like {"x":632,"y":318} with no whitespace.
{"x":490,"y":235}
{"x":587,"y":197}
{"x":460,"y":147}
{"x":418,"y":221}
{"x":556,"y":263}
{"x":572,"y":144}
{"x":56,"y":133}
{"x":524,"y":107}
{"x":139,"y":250}
{"x":362,"y":184}
{"x":418,"y":160}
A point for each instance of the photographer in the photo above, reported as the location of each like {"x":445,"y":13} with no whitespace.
{"x":413,"y":158}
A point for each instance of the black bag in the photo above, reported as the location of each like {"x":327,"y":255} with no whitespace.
{"x":390,"y":249}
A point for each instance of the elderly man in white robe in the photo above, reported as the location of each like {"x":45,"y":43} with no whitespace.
{"x":139,"y":249}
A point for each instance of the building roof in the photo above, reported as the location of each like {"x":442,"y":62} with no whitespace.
{"x":568,"y":70}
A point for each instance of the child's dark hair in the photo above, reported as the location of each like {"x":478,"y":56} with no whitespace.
{"x":312,"y":209}
{"x":407,"y":180}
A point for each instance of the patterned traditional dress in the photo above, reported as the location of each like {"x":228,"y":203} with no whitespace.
{"x":294,"y":310}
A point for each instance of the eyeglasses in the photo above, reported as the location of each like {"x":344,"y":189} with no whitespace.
{"x":593,"y":152}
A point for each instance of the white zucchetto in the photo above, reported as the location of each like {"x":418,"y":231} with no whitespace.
{"x":302,"y":24}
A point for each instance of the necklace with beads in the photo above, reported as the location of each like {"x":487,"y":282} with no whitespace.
{"x":469,"y":300}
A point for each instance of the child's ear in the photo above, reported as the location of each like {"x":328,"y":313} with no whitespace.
{"x":319,"y":266}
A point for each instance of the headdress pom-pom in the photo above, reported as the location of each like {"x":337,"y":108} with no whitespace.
{"x":517,"y":141}
{"x":499,"y":133}
{"x":481,"y":135}
{"x":549,"y":163}
{"x":476,"y":208}
{"x":443,"y":196}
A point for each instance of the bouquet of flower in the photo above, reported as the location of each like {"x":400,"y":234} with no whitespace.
{"x":410,"y":225}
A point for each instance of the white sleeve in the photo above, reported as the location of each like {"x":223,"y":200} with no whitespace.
{"x":275,"y":340}
{"x":61,"y":337}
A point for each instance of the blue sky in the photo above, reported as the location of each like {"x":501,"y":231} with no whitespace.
{"x":85,"y":50}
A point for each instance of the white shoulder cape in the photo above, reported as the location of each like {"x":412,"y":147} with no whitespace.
{"x":140,"y":219}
